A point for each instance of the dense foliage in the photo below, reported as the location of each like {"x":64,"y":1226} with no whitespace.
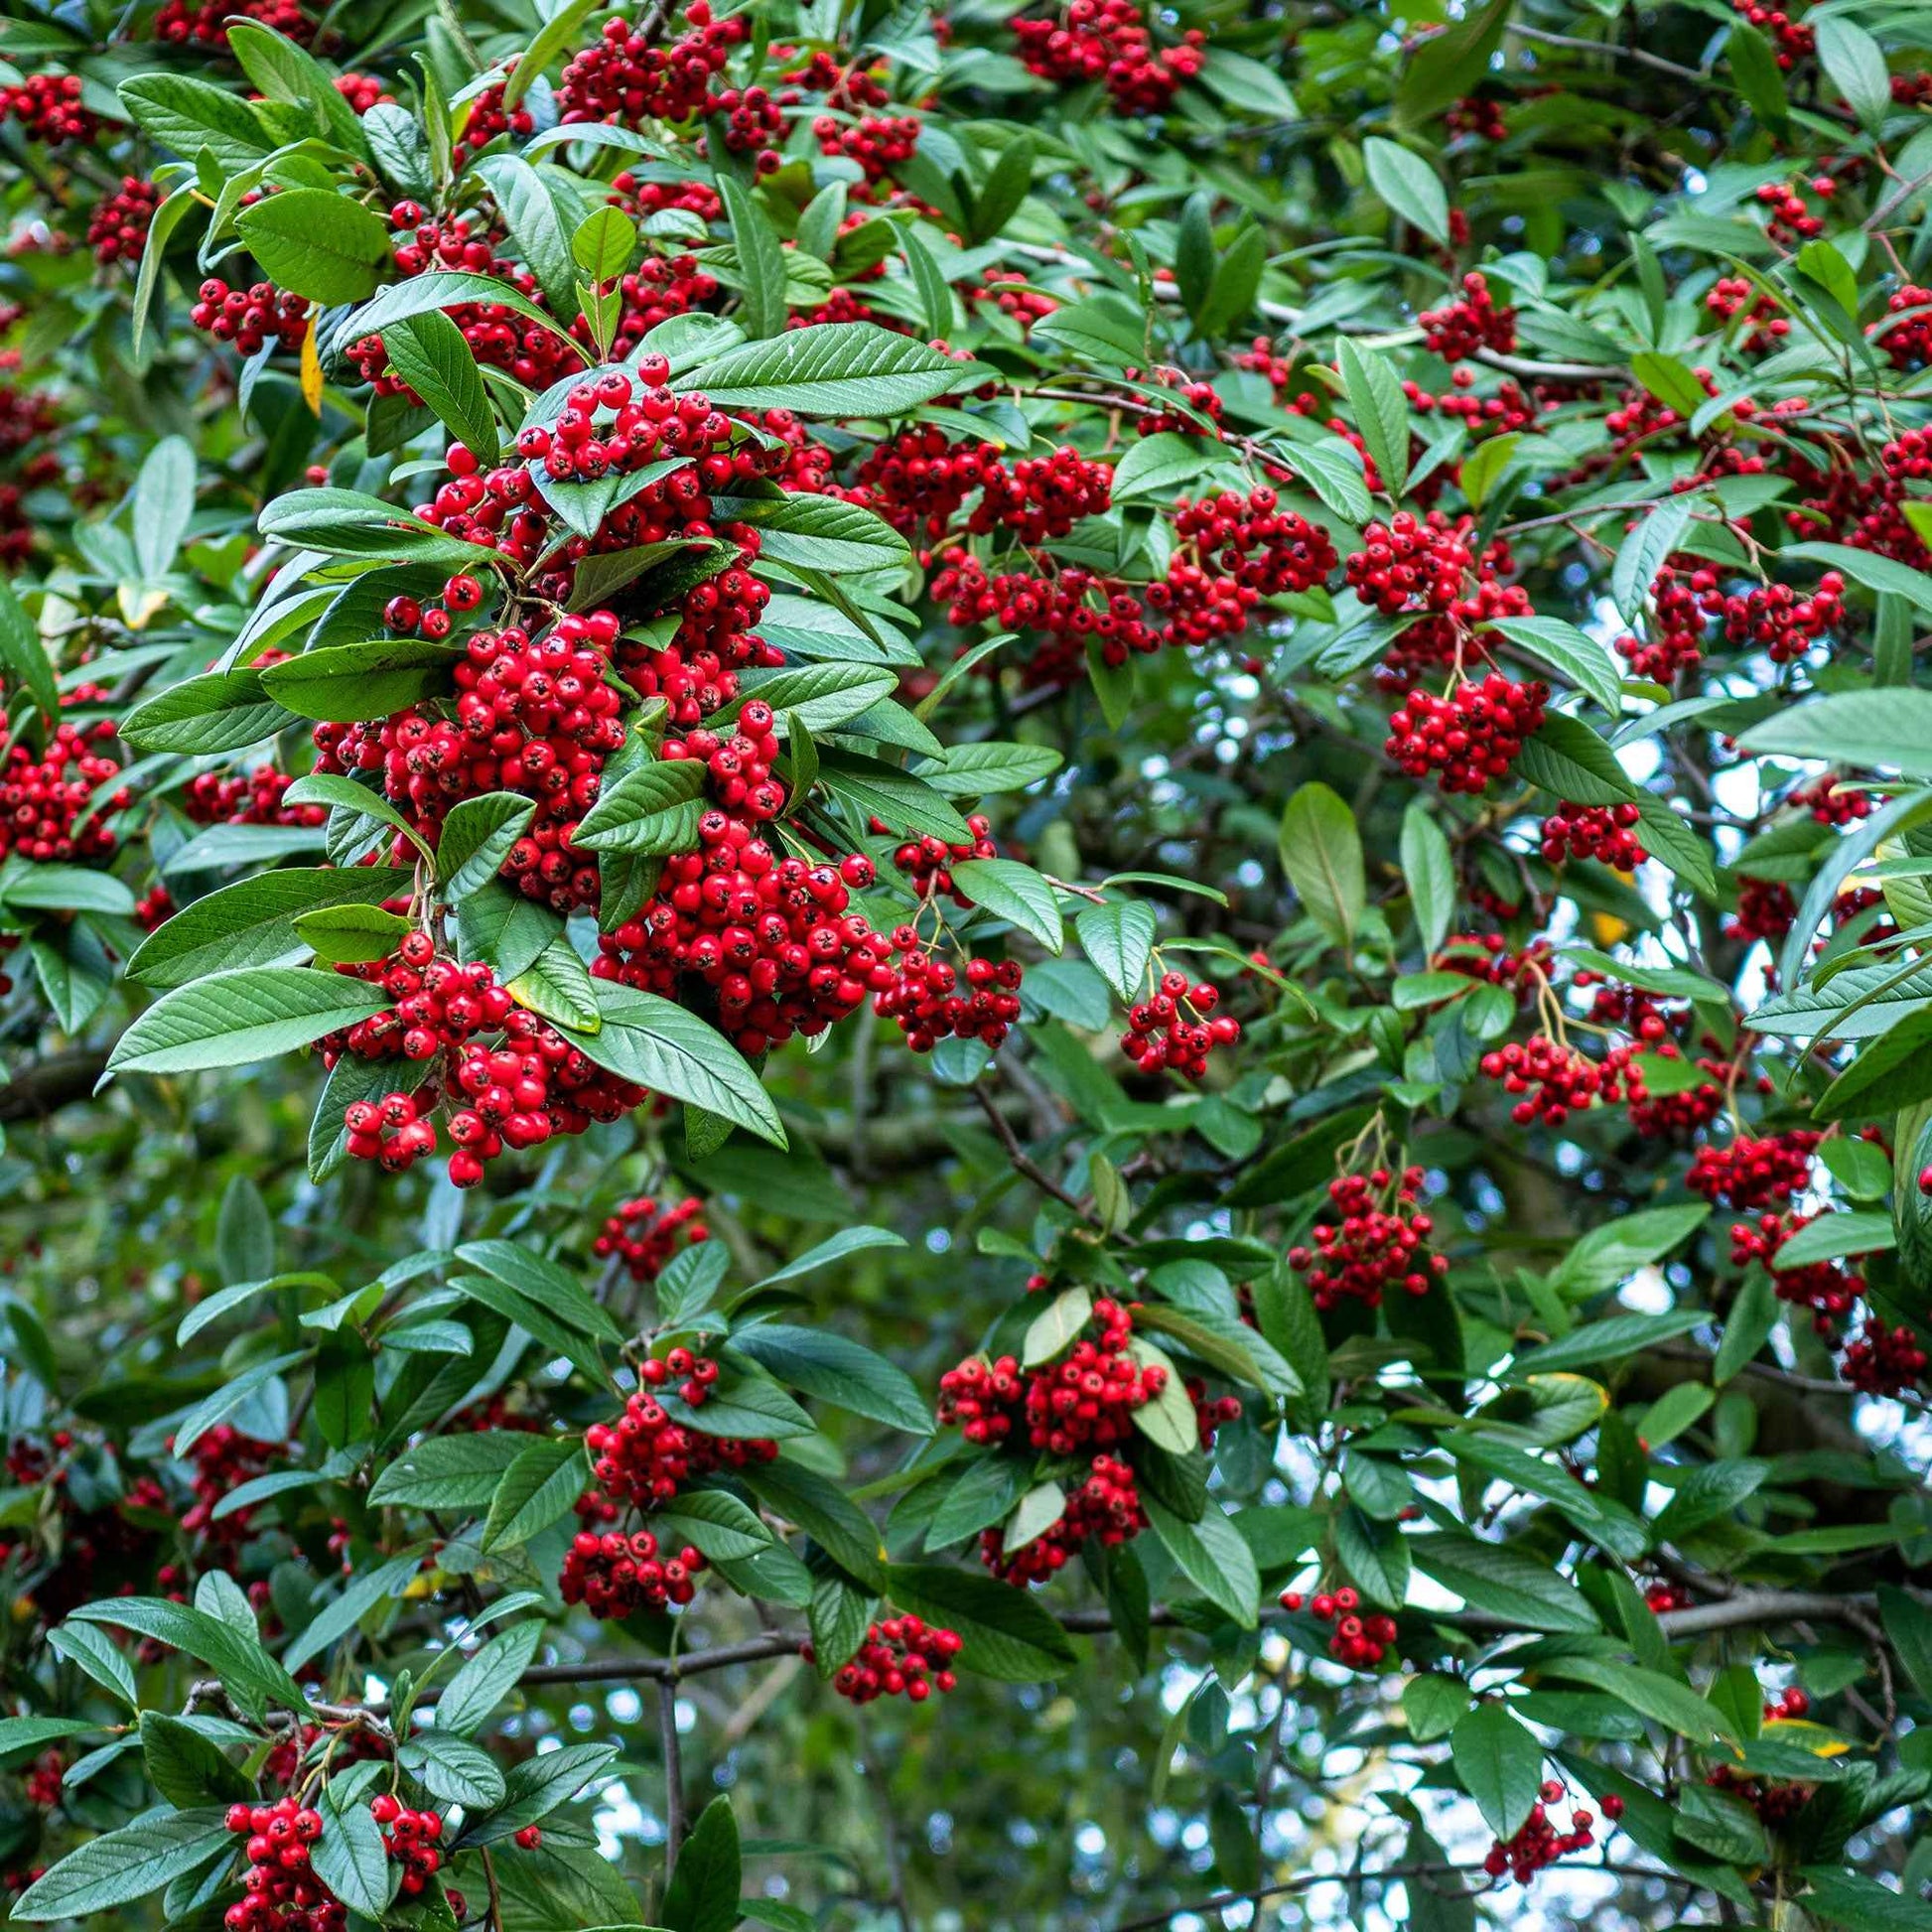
{"x":965,"y":968}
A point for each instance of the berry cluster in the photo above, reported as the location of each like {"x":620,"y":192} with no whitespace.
{"x":362,"y":91}
{"x":768,"y":944}
{"x":1779,"y":621}
{"x":881,"y":144}
{"x":487,"y":118}
{"x":1882,"y":1361}
{"x":1105,"y":1507}
{"x":1775,"y":1802}
{"x":643,"y":1234}
{"x":621,"y":77}
{"x":1607,"y":833}
{"x":1162,"y":1036}
{"x":251,"y":316}
{"x":615,"y":1575}
{"x":1538,"y":1841}
{"x":1086,"y":1400}
{"x":48,"y":108}
{"x":44,"y":794}
{"x":223,"y":1458}
{"x":1553,"y":1080}
{"x":1361,"y":1642}
{"x":926,"y":862}
{"x":280,"y":1891}
{"x":536,"y":717}
{"x":1477,"y":117}
{"x":117,"y":230}
{"x":1379,"y":1242}
{"x":251,"y":798}
{"x":1908,"y":342}
{"x":646,"y":1458}
{"x":205,"y":23}
{"x":1487,"y":956}
{"x":1107,"y":41}
{"x":922,"y":996}
{"x":900,"y":1657}
{"x":1471,"y":737}
{"x":1830,"y":801}
{"x":1734,"y":295}
{"x":1243,"y":549}
{"x":1471,"y":321}
{"x":1828,"y":1289}
{"x":1072,"y":606}
{"x":1412,"y":564}
{"x":409,"y":1837}
{"x":1752,"y":1173}
{"x":531,"y":1084}
{"x":1765,"y":911}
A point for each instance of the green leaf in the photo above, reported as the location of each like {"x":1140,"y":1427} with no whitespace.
{"x":449,"y":1472}
{"x":817,"y":532}
{"x":252,"y":923}
{"x":649,"y":812}
{"x":1747,"y":1325}
{"x":1862,"y":728}
{"x":1429,"y":867}
{"x":761,"y":261}
{"x":1848,"y":1898}
{"x":662,"y":1046}
{"x":539,"y":1489}
{"x":1213,"y":1556}
{"x":1857,"y":64}
{"x":723,"y":1528}
{"x":1444,"y":65}
{"x":1500,"y":1766}
{"x":537,"y":1787}
{"x":1005,"y":1633}
{"x":186,"y":1767}
{"x":233,"y":1019}
{"x":482,"y":1681}
{"x":1506,"y":1581}
{"x":315,"y":243}
{"x":979,"y":769}
{"x":1408,"y":184}
{"x":1321,"y":853}
{"x":348,"y":1857}
{"x":454,"y":1771}
{"x":1833,"y":1236}
{"x":839,"y":368}
{"x":824,"y":1512}
{"x":250,"y":1673}
{"x":1118,"y":937}
{"x":838,"y":1371}
{"x":191,"y":116}
{"x":345,"y":683}
{"x":1894,"y":1071}
{"x":360,"y":1596}
{"x":1569,"y":761}
{"x":1016,"y":892}
{"x":351,"y":523}
{"x":1380,"y":409}
{"x":998,"y":198}
{"x":1652,"y":1695}
{"x":219,"y":711}
{"x":431,"y":354}
{"x":125,"y":1865}
{"x":1574,"y":657}
{"x":475,"y":839}
{"x":544,"y":1282}
{"x":703,"y":1893}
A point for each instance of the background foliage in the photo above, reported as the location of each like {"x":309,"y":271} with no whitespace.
{"x":1406,"y":534}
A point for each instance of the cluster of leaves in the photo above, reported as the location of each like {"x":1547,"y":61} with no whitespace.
{"x":1422,"y":521}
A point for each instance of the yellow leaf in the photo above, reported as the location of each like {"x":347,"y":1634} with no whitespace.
{"x":311,"y":370}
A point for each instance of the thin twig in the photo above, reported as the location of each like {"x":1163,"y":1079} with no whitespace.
{"x":673,"y":1769}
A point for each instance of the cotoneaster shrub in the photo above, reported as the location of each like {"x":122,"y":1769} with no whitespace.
{"x":965,"y":968}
